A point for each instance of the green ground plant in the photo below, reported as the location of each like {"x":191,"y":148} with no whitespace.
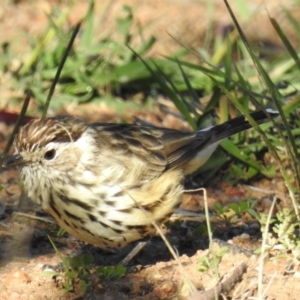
{"x":78,"y":271}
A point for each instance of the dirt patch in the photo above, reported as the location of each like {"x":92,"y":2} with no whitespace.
{"x":153,"y":273}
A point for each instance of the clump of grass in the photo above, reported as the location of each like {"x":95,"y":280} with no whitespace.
{"x":98,"y":68}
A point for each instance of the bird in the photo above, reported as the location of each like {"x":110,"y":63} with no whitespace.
{"x":108,"y":184}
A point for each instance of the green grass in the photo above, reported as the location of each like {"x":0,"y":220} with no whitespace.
{"x":109,"y":70}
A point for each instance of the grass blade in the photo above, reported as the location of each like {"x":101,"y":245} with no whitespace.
{"x":59,"y":69}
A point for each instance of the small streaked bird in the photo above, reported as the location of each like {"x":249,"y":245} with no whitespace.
{"x":106,"y":184}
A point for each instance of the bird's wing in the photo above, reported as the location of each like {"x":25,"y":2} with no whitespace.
{"x":161,"y":149}
{"x":158,"y":148}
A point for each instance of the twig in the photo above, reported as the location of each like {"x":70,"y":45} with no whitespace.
{"x":221,"y":288}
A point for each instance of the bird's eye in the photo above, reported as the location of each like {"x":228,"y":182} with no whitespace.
{"x":49,"y":155}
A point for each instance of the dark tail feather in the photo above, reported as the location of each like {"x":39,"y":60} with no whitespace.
{"x":222,"y":131}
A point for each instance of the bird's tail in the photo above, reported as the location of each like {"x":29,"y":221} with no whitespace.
{"x":222,"y":131}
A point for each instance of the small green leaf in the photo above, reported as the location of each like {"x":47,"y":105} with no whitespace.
{"x":50,"y":273}
{"x":70,"y":274}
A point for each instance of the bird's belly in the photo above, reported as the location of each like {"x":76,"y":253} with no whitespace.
{"x":114,"y":216}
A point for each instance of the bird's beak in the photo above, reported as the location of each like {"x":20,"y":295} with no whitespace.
{"x":13,"y":160}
